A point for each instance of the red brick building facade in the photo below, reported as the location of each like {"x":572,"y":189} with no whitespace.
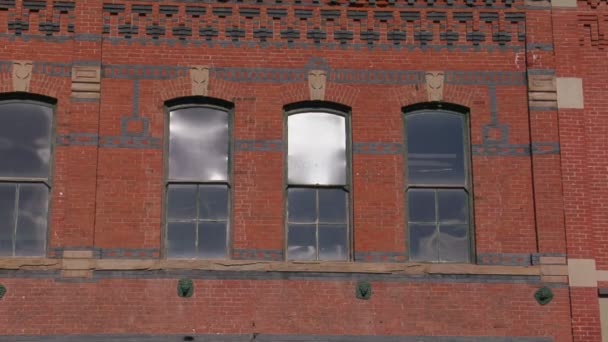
{"x":526,"y":80}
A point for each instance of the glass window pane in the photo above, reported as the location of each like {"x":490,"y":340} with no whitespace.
{"x":31,"y":220}
{"x":212,"y":240}
{"x":332,"y":242}
{"x":181,"y":240}
{"x":421,"y":205}
{"x":25,"y":140}
{"x":453,"y":206}
{"x":213,"y":202}
{"x":7,"y":218}
{"x":435,"y":147}
{"x":181,"y":202}
{"x":301,"y":205}
{"x":423,"y":242}
{"x":332,"y":206}
{"x":301,"y":242}
{"x":198,"y":144}
{"x":316,"y":149}
{"x":454,"y":243}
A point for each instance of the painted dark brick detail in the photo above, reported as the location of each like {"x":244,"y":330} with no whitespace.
{"x":259,"y":145}
{"x":380,"y":257}
{"x":505,"y":259}
{"x":129,"y":253}
{"x":53,"y":18}
{"x":257,"y":254}
{"x":377,"y":148}
{"x":293,"y":27}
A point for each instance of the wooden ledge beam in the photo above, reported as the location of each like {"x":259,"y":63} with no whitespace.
{"x":408,"y":268}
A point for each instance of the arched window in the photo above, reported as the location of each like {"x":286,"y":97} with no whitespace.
{"x":318,"y":201}
{"x":198,"y":182}
{"x":25,"y":168}
{"x":438,"y":185}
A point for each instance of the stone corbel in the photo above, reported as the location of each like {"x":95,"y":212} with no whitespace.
{"x":199,"y":76}
{"x":317,"y":82}
{"x":434,"y":85}
{"x":22,"y":75}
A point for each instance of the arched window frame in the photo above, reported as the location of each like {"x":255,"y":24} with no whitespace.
{"x":333,"y":109}
{"x":198,"y":102}
{"x":464,"y":113}
{"x":51,"y":103}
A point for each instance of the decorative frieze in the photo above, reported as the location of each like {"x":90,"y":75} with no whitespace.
{"x":327,"y":27}
{"x":49,"y":18}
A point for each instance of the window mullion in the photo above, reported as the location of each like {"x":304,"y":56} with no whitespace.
{"x":198,"y":196}
{"x":16,"y":217}
{"x":317,"y":222}
{"x":437,"y":220}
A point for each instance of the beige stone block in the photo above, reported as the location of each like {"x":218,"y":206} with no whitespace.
{"x":604,"y":318}
{"x":570,"y":93}
{"x":537,"y":3}
{"x":554,"y":269}
{"x":87,"y":87}
{"x":86,"y":74}
{"x":78,"y":254}
{"x":563,"y":3}
{"x":542,"y":103}
{"x":541,"y":83}
{"x":582,"y":273}
{"x":602,"y":275}
{"x":553,"y":260}
{"x":85,"y":95}
{"x":86,"y":82}
{"x":542,"y":96}
{"x":29,"y":263}
{"x":78,"y":264}
{"x":77,"y":274}
{"x":554,"y":279}
{"x":119,"y":264}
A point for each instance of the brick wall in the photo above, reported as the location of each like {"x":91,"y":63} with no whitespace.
{"x":538,"y":171}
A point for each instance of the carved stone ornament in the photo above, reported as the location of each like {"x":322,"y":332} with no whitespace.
{"x":199,"y":75}
{"x":185,"y":288}
{"x":543,"y":295}
{"x":22,"y":75}
{"x":434,"y":85}
{"x":363,"y":290}
{"x":317,"y":80}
